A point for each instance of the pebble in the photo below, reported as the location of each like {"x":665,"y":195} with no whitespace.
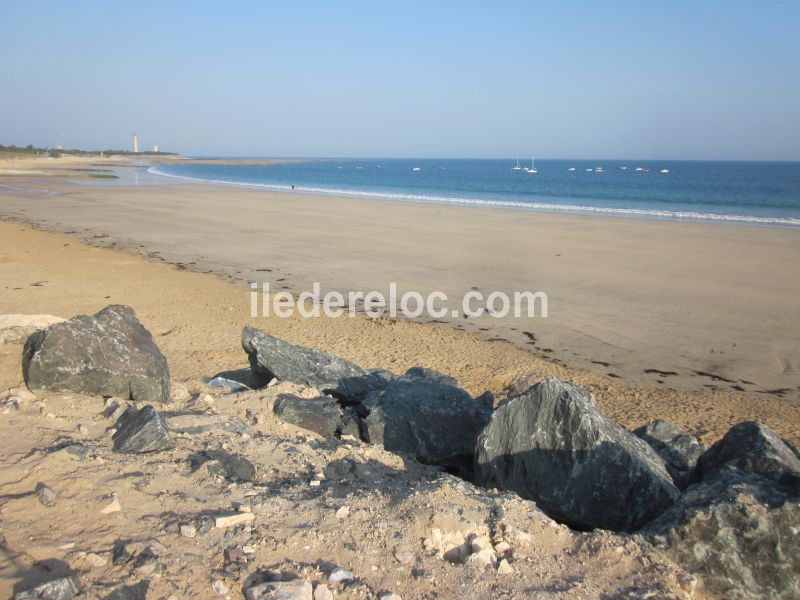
{"x":321,"y":592}
{"x":502,"y":549}
{"x":297,"y":589}
{"x":340,"y":575}
{"x":403,"y":557}
{"x":389,"y":596}
{"x":504,"y":568}
{"x":112,"y":507}
{"x":343,"y":513}
{"x":45,"y":494}
{"x":95,"y":561}
{"x":219,"y":587}
{"x":231,"y":519}
{"x":188,"y":530}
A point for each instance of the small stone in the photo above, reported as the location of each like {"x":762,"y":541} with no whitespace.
{"x":142,"y":431}
{"x":179,"y":392}
{"x":504,"y":568}
{"x":188,"y":530}
{"x":147,"y":563}
{"x":219,"y":588}
{"x":340,"y":575}
{"x":45,"y":494}
{"x":389,"y":596}
{"x":82,"y":429}
{"x":111,"y":507}
{"x":120,"y":554}
{"x":321,"y":592}
{"x":403,"y":557}
{"x":296,"y":589}
{"x":343,"y":513}
{"x":502,"y":549}
{"x":234,"y":554}
{"x":224,"y":520}
{"x":95,"y":561}
{"x":485,"y":557}
{"x":479,"y":543}
{"x":314,"y":483}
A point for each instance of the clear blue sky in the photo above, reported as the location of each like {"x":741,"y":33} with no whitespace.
{"x":639,"y":79}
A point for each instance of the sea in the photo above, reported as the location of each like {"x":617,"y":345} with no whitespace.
{"x":762,"y":193}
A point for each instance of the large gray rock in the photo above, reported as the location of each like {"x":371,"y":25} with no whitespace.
{"x":273,"y":357}
{"x":752,"y":447}
{"x":437,"y":424}
{"x":141,"y":431}
{"x":738,"y":531}
{"x":321,"y":415}
{"x":551,"y":444}
{"x":108,"y":354}
{"x":679,"y":449}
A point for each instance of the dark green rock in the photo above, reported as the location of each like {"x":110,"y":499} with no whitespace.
{"x":679,"y":449}
{"x":141,"y":431}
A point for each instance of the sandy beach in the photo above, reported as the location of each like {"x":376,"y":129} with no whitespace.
{"x":693,"y":322}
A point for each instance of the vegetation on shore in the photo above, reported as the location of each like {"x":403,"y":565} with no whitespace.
{"x":30,"y":150}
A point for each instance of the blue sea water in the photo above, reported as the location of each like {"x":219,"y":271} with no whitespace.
{"x":744,"y":192}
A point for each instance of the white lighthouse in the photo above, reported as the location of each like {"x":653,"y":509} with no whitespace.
{"x":135,"y":143}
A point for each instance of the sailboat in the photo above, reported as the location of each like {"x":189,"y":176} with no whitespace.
{"x":516,"y":167}
{"x":533,"y":168}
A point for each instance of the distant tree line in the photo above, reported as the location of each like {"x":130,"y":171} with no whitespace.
{"x":30,"y":150}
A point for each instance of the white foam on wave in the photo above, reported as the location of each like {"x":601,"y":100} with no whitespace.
{"x":511,"y":204}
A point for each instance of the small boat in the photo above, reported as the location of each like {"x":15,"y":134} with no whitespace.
{"x":417,"y":169}
{"x":516,"y":167}
{"x":599,"y":170}
{"x":623,"y":168}
{"x":533,"y":170}
{"x":589,"y":170}
{"x":640,"y":169}
{"x":571,"y":169}
{"x":664,"y":171}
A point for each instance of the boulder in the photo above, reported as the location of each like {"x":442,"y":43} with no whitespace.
{"x":679,"y":449}
{"x":108,"y":354}
{"x":437,"y":424}
{"x":425,"y":375}
{"x":63,"y":588}
{"x":752,"y":447}
{"x":551,"y":445}
{"x":141,"y":431}
{"x":272,"y":357}
{"x":738,"y":531}
{"x":321,"y":415}
{"x":225,"y":464}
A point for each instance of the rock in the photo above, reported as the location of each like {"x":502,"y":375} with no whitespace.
{"x":227,"y":384}
{"x":120,"y":554}
{"x":245,"y":378}
{"x":343,"y":513}
{"x":321,"y":592}
{"x":219,"y":588}
{"x":63,"y":588}
{"x":148,"y":564}
{"x":522,"y":384}
{"x":112,"y":507}
{"x":15,"y":327}
{"x":194,"y":423}
{"x":424,"y":375}
{"x":141,"y":431}
{"x":108,"y":354}
{"x":503,"y":568}
{"x":503,"y":549}
{"x":45,"y":494}
{"x":551,"y":445}
{"x":389,"y":596}
{"x":95,"y":561}
{"x":188,"y":530}
{"x":272,"y":357}
{"x":137,"y":591}
{"x":224,"y":464}
{"x":340,"y":575}
{"x":677,"y":448}
{"x":321,"y":415}
{"x":403,"y":557}
{"x":738,"y":530}
{"x":484,"y":557}
{"x":223,"y":520}
{"x":180,"y":392}
{"x":297,"y":589}
{"x":437,"y":424}
{"x":752,"y":447}
{"x":115,"y":408}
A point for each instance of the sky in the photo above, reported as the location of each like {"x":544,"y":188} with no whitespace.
{"x":579,"y":79}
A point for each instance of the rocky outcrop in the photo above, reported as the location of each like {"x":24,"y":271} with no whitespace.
{"x":141,"y":431}
{"x":321,"y":415}
{"x":108,"y":354}
{"x":752,"y":447}
{"x":273,"y":357}
{"x":679,"y":449}
{"x":551,"y":445}
{"x":436,"y":424}
{"x":737,"y":525}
